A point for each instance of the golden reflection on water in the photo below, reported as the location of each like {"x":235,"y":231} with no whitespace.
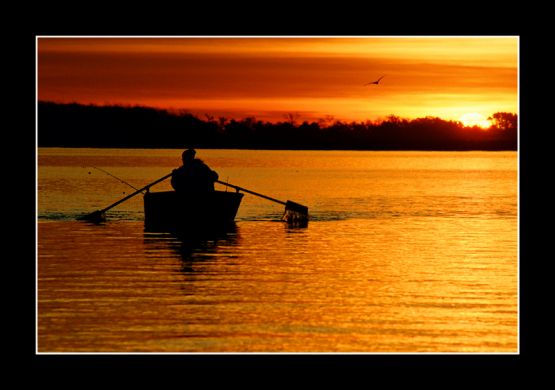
{"x":423,"y":260}
{"x":296,"y":292}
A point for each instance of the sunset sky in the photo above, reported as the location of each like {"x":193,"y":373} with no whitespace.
{"x":459,"y":78}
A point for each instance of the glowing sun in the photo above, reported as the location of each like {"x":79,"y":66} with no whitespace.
{"x":474,"y":119}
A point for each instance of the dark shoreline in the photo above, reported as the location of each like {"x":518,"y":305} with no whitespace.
{"x":89,"y":126}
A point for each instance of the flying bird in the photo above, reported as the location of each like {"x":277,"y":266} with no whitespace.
{"x":375,"y":82}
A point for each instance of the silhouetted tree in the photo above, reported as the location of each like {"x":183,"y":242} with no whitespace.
{"x":504,"y":120}
{"x":142,"y":127}
{"x":292,"y":118}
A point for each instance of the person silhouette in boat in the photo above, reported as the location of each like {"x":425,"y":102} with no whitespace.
{"x":194,"y":175}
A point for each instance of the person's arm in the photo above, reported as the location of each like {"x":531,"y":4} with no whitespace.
{"x":174,"y":179}
{"x":209,"y":173}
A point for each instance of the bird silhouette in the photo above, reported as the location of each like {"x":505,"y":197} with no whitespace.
{"x":375,"y":82}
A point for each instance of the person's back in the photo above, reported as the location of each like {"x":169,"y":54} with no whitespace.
{"x":194,"y":175}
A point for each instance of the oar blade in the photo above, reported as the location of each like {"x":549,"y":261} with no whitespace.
{"x":295,"y":214}
{"x":298,"y":208}
{"x":95,"y":217}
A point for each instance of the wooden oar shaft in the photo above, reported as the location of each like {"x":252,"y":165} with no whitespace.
{"x":134,"y":193}
{"x":251,"y":192}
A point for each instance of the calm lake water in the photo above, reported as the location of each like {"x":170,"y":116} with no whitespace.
{"x":404,"y":252}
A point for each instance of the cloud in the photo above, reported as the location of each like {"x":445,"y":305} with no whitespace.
{"x":317,"y":74}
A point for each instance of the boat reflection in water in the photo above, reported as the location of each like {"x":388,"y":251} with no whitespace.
{"x":194,"y":248}
{"x":195,"y":224}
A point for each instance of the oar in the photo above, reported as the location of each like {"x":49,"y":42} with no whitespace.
{"x":98,"y":215}
{"x":289,"y":205}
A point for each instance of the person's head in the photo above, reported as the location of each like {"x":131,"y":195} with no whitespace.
{"x":188,"y":155}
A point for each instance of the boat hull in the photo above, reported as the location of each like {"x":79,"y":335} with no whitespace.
{"x":178,"y":211}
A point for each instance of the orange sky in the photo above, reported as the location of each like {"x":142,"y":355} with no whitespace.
{"x":266,"y":77}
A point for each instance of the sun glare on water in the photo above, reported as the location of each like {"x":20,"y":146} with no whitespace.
{"x":474,"y":119}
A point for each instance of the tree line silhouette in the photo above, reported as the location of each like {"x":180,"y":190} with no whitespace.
{"x":78,"y":125}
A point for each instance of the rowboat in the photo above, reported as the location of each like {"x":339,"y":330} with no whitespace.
{"x":196,"y":211}
{"x":190,"y":211}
